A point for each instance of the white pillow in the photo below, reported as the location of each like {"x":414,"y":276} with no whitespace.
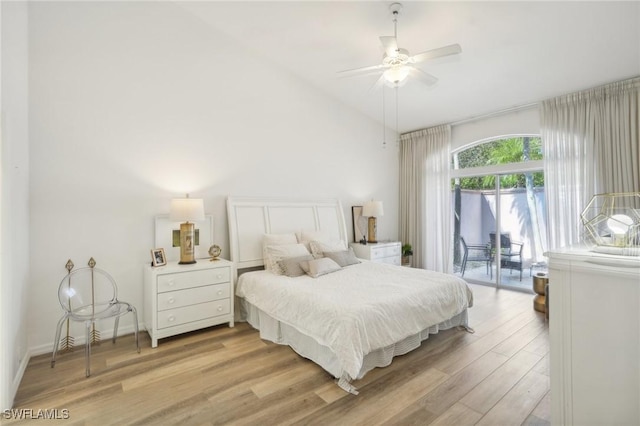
{"x":305,"y":237}
{"x":273,"y":254}
{"x":317,"y":267}
{"x":275,"y":240}
{"x":317,"y":248}
{"x":278,"y":239}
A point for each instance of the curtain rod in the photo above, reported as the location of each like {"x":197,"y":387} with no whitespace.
{"x":494,"y":113}
{"x":480,"y":117}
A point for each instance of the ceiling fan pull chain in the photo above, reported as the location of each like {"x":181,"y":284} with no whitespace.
{"x":384,"y":124}
{"x":397,"y":128}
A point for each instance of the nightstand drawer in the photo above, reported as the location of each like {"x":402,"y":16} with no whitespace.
{"x":173,"y":317}
{"x":388,"y":251}
{"x":191,"y":296}
{"x":182,"y":280}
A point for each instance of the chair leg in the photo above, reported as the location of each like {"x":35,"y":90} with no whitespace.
{"x":464,"y":264}
{"x":87,"y":349}
{"x":56,"y":342}
{"x":135,"y":327}
{"x":115,"y":329}
{"x":521,"y":272}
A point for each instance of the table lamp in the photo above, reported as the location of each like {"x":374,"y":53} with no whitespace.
{"x":188,"y":210}
{"x":372,"y":210}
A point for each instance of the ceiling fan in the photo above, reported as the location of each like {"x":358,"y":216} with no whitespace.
{"x":397,"y":64}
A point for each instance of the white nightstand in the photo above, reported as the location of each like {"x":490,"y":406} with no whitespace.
{"x":390,"y":252}
{"x":182,"y":298}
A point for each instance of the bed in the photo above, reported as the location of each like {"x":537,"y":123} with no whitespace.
{"x":349,"y":320}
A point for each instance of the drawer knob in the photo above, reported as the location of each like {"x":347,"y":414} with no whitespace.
{"x":218,"y":276}
{"x":171,"y":318}
{"x":170,"y":283}
{"x":219,"y":308}
{"x":219,"y":292}
{"x":171,"y":300}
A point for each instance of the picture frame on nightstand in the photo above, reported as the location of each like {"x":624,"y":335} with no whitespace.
{"x":158,"y":258}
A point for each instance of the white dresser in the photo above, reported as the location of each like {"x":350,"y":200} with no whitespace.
{"x":594,"y":333}
{"x":390,"y":252}
{"x":182,"y":298}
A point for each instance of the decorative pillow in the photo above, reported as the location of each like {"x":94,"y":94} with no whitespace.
{"x":290,"y":266}
{"x":343,"y":257}
{"x":317,"y":267}
{"x":275,"y":240}
{"x":272,"y":254}
{"x":317,"y":248}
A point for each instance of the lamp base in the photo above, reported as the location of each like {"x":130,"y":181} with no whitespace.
{"x":371,"y":235}
{"x":187,"y":243}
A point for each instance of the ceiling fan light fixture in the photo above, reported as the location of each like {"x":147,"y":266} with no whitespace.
{"x":396,"y":74}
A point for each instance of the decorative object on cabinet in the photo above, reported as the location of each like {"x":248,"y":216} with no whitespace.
{"x":372,"y":210}
{"x":612,"y":222}
{"x":167,"y":236}
{"x":86,"y":295}
{"x":188,"y":210}
{"x":359,"y":225}
{"x":389,"y":252}
{"x":158,"y":257}
{"x":407,"y":253}
{"x":180,"y":298}
{"x":540,"y":283}
{"x":215,"y":252}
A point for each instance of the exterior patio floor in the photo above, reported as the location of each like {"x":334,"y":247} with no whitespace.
{"x":476,"y":272}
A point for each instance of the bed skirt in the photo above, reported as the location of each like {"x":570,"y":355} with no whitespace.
{"x":284,"y":334}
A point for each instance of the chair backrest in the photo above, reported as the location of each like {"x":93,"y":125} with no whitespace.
{"x":464,"y":244}
{"x":505,"y":240}
{"x":87,"y":291}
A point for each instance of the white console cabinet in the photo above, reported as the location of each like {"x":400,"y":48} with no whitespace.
{"x":182,"y":298}
{"x":379,"y":252}
{"x":594,"y":332}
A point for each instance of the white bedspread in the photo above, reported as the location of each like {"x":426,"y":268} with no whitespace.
{"x":360,"y":308}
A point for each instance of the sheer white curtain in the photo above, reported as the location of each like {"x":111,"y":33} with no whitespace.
{"x":591,"y":145}
{"x":425,"y":196}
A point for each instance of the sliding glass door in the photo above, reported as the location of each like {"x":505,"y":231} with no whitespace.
{"x":499,"y":218}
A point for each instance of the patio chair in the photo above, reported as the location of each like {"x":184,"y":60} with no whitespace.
{"x":510,"y":252}
{"x":476,"y":253}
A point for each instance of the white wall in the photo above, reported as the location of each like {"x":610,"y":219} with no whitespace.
{"x":525,"y":121}
{"x":14,"y":199}
{"x":132,"y":104}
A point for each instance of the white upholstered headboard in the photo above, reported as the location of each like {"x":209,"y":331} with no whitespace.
{"x":250,"y":218}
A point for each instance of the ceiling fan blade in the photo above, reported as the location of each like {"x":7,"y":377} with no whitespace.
{"x":374,"y":69}
{"x":452,"y":49}
{"x":378,"y":84}
{"x":424,"y":77}
{"x":390,"y":45}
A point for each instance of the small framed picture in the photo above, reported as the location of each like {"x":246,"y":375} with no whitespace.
{"x":158,"y":258}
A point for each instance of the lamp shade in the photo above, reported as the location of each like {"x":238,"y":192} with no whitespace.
{"x":186,"y":210}
{"x":373,"y":209}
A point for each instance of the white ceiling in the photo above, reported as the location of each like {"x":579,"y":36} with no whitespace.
{"x":513,"y":53}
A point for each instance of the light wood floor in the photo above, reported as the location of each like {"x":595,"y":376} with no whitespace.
{"x":221,"y":375}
